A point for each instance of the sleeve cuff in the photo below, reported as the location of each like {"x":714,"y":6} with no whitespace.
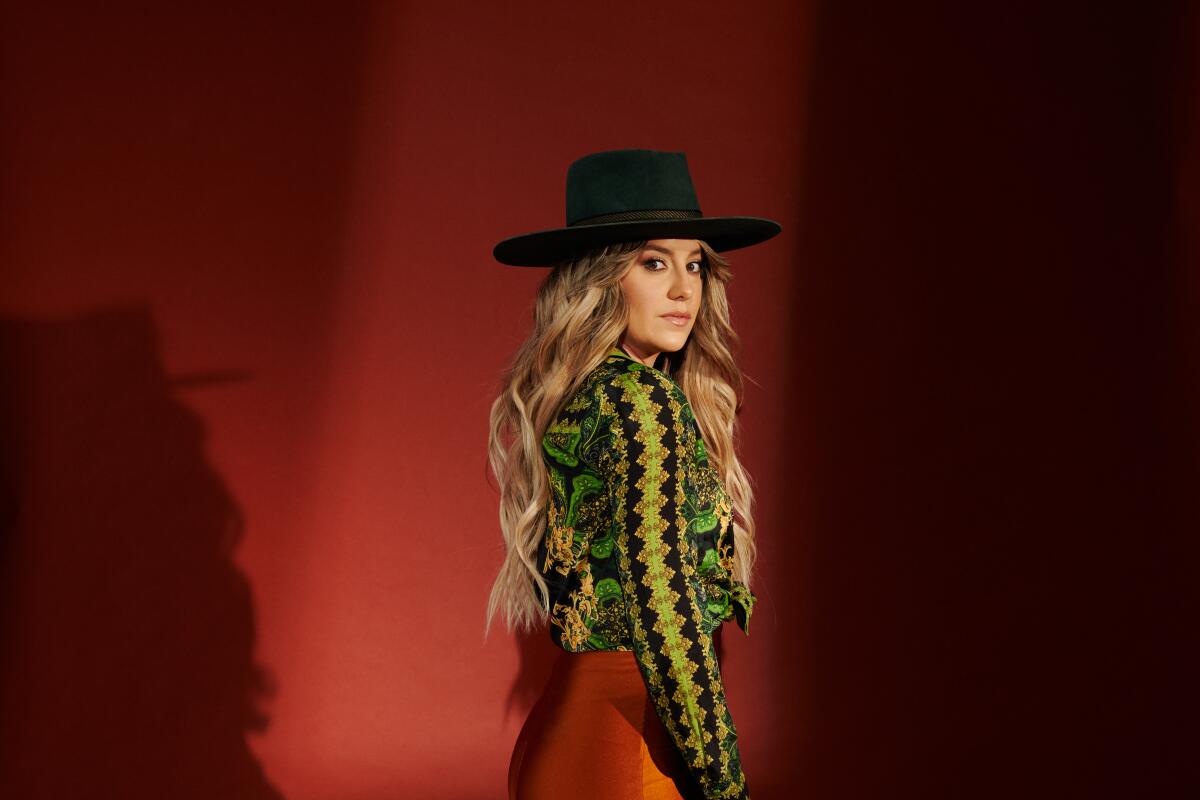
{"x":743,"y":604}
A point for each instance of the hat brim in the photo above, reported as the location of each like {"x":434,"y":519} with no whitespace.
{"x":546,"y":248}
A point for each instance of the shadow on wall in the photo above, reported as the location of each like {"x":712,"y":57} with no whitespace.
{"x":128,"y":632}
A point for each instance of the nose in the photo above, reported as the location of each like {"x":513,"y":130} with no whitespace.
{"x":681,"y":286}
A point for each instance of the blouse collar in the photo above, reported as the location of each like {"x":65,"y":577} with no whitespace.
{"x":619,"y":352}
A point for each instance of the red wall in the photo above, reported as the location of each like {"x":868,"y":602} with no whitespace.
{"x":250,"y":329}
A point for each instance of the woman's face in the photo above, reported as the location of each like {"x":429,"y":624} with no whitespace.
{"x":662,"y":290}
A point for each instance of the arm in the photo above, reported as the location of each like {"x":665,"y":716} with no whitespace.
{"x":658,"y":573}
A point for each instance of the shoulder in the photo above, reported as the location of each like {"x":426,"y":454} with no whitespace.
{"x":618,"y":401}
{"x":578,"y":434}
{"x":632,"y":382}
{"x":590,"y":398}
{"x":647,"y":402}
{"x":618,"y":383}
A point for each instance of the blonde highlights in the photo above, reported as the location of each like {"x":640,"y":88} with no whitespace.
{"x":579,"y":315}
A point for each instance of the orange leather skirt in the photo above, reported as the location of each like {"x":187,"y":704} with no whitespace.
{"x":594,"y":734}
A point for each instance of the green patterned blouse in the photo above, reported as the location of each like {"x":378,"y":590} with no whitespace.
{"x":638,"y":553}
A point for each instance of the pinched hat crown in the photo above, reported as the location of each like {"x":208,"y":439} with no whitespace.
{"x":632,"y":184}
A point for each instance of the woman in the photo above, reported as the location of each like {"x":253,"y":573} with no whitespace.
{"x":624,"y":508}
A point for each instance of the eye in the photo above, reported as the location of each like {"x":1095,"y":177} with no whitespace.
{"x":694,"y":267}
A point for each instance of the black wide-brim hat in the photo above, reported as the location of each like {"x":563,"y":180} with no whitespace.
{"x":629,"y":196}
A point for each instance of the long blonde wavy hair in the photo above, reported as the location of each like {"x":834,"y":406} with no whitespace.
{"x":580,"y":314}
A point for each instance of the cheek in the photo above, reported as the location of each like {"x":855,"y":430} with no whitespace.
{"x":635,"y":298}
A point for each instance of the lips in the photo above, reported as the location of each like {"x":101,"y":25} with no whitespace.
{"x":678,"y":320}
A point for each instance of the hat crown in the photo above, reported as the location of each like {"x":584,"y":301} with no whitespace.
{"x":619,"y":181}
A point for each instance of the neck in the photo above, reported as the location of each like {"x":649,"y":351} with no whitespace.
{"x":637,"y":355}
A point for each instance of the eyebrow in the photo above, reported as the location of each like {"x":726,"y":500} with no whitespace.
{"x":664,"y":251}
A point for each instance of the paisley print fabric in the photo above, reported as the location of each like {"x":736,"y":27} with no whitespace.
{"x":638,"y":553}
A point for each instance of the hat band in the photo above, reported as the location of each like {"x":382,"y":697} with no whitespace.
{"x":635,"y":216}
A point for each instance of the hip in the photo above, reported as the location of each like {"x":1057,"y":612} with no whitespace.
{"x":594,"y":733}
